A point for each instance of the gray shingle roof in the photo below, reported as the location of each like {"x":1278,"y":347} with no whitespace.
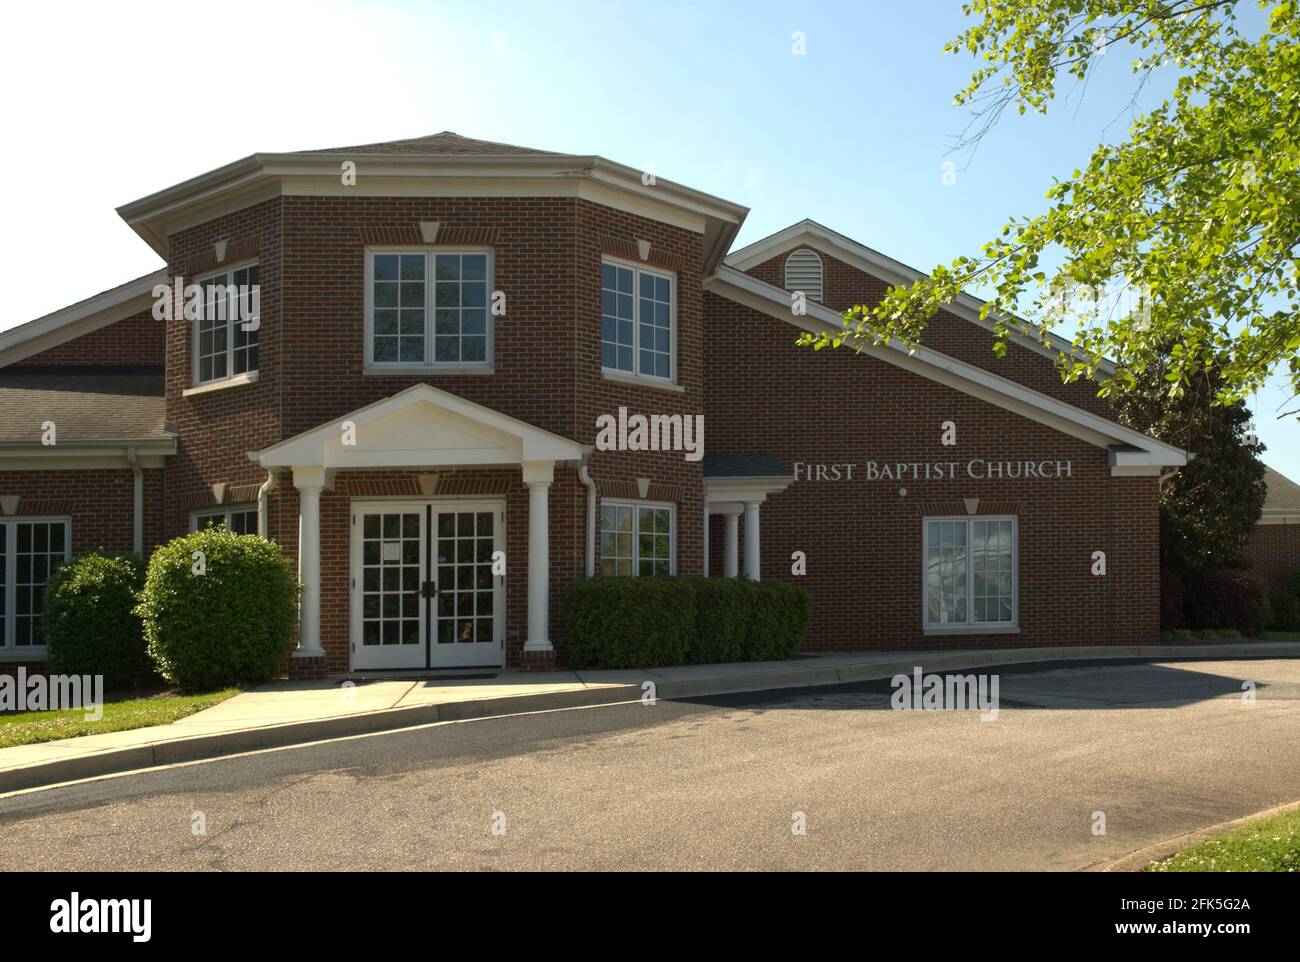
{"x":84,"y":403}
{"x":753,"y":465}
{"x":445,"y":142}
{"x":1283,"y":493}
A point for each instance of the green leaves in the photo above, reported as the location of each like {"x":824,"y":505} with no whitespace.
{"x":1197,"y":213}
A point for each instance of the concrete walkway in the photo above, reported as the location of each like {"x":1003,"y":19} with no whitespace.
{"x":288,"y":713}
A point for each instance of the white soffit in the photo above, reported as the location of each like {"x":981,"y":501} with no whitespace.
{"x":811,"y":234}
{"x":1010,"y":395}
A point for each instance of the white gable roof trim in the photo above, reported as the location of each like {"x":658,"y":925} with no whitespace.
{"x":80,"y":318}
{"x":811,"y":234}
{"x":421,"y":426}
{"x":1141,"y":454}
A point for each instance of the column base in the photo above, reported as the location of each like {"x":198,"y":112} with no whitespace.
{"x":307,"y":665}
{"x":537,"y":660}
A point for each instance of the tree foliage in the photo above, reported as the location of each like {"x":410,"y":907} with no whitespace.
{"x":1196,"y":214}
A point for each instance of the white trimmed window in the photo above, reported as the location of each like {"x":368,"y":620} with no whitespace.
{"x":971,"y":578}
{"x":239,"y":518}
{"x":30,"y":550}
{"x":428,"y":308}
{"x":638,"y":321}
{"x":637,"y":538}
{"x":225,"y":345}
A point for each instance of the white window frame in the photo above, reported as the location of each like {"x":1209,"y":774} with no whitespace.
{"x":429,"y":365}
{"x":224,"y":512}
{"x":969,"y":626}
{"x":635,"y":505}
{"x":635,"y":374}
{"x":9,"y":648}
{"x":232,"y":319}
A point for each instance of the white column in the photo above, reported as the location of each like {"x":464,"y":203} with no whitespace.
{"x":730,"y":553}
{"x":751,"y":541}
{"x":310,"y":482}
{"x":538,"y":476}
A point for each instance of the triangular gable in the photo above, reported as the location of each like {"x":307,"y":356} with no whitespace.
{"x":1131,"y":452}
{"x":808,"y":233}
{"x":419,"y":427}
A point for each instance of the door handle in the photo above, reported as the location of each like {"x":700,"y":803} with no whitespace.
{"x":428,"y":589}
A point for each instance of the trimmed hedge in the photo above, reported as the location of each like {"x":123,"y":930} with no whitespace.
{"x":232,"y":623}
{"x":90,"y":621}
{"x":1225,"y":598}
{"x":1283,"y":611}
{"x":658,"y":622}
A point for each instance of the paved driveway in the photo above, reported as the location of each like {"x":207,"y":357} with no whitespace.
{"x":1160,"y":749}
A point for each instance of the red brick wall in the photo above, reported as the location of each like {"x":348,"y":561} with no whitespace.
{"x":100,"y":503}
{"x":844,"y":286}
{"x":134,"y":340}
{"x":1273,"y":553}
{"x":863,"y":539}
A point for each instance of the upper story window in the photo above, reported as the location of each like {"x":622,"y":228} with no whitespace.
{"x":428,"y":308}
{"x":226,"y":335}
{"x":638,"y":333}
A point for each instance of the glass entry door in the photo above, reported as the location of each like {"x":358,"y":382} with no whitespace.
{"x":427,"y":587}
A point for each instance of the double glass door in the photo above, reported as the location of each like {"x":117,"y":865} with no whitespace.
{"x":428,"y":584}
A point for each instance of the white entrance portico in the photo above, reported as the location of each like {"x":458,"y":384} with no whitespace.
{"x":422,"y":427}
{"x":736,"y":485}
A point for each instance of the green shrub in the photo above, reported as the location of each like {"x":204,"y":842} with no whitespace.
{"x":90,"y":622}
{"x":1180,"y":635}
{"x":657,"y":622}
{"x":228,"y":623}
{"x":629,"y":622}
{"x":1284,"y":611}
{"x":1225,"y":598}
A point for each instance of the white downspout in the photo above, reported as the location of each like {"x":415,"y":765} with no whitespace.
{"x":137,"y":520}
{"x":585,"y":477}
{"x":263,"y":503}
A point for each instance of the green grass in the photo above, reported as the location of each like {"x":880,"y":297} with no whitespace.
{"x":1282,"y":636}
{"x":121,"y":712}
{"x":1271,"y":845}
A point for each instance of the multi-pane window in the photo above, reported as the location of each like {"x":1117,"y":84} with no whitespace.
{"x":636,"y":322}
{"x":226,"y":335}
{"x":427,"y":308}
{"x":30,"y":551}
{"x":970,"y":572}
{"x":390,"y":578}
{"x":241,"y":519}
{"x":636,"y":539}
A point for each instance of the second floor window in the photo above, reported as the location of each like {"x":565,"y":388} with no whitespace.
{"x":636,"y":321}
{"x":428,"y":308}
{"x":226,"y":335}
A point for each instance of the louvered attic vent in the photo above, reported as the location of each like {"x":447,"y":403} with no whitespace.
{"x":803,"y":272}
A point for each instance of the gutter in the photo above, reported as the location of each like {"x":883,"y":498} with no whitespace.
{"x":137,"y":518}
{"x":584,"y":475}
{"x":263,"y":501}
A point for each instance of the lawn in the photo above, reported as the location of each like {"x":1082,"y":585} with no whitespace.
{"x":1271,"y":845}
{"x":1282,"y":636}
{"x":121,"y":712}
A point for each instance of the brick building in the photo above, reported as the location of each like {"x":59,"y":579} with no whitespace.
{"x":1273,"y":547}
{"x":412,"y":407}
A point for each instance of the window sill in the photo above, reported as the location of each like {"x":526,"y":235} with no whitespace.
{"x":239,"y":380}
{"x":619,"y":377}
{"x":429,"y":370}
{"x":34,"y":653}
{"x":972,"y":630}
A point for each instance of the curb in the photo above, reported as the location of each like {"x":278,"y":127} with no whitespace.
{"x":170,"y":751}
{"x":1137,"y":861}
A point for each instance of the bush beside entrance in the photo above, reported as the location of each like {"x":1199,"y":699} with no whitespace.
{"x":218,"y":609}
{"x":90,"y":621}
{"x":658,"y":622}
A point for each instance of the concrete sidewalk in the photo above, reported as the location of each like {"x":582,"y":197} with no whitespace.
{"x":288,"y":713}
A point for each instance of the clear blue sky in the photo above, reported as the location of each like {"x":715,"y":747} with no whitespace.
{"x":853,"y":133}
